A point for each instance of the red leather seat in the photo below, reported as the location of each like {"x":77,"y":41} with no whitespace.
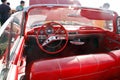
{"x":84,"y":67}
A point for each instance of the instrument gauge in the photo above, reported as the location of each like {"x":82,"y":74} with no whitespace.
{"x":49,"y":30}
{"x":41,"y":32}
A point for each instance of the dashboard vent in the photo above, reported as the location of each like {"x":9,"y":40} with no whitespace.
{"x":72,"y":32}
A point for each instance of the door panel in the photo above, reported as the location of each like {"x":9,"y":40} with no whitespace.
{"x":112,"y":41}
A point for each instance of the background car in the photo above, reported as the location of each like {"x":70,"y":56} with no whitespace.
{"x":60,"y":42}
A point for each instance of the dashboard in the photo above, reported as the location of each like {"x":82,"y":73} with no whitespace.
{"x":53,"y":37}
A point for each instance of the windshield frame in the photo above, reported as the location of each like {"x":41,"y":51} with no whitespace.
{"x":65,"y":6}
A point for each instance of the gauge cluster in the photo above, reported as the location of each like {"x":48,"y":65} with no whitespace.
{"x":49,"y":30}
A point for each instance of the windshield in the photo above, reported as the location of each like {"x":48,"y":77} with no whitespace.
{"x":67,"y":16}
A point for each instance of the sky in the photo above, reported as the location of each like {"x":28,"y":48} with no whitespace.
{"x":114,"y":4}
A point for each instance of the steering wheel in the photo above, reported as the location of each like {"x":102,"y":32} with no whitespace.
{"x":52,"y":37}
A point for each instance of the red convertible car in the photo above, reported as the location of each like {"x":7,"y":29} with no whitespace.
{"x":60,"y":42}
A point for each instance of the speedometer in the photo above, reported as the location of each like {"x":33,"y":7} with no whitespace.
{"x":49,"y":30}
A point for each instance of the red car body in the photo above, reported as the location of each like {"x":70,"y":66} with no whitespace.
{"x":60,"y":42}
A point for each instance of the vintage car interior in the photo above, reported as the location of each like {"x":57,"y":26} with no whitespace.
{"x":63,"y":42}
{"x":56,"y":45}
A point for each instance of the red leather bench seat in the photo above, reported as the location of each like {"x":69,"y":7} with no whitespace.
{"x":84,"y":67}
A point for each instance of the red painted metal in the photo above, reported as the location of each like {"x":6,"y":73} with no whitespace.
{"x":86,"y":67}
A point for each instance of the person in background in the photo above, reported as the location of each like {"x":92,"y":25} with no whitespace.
{"x":5,"y":11}
{"x":106,"y":6}
{"x":8,"y":3}
{"x":21,"y":6}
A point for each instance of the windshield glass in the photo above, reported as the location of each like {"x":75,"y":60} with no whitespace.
{"x":69,"y":17}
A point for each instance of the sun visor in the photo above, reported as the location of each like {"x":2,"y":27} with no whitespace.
{"x":97,"y":14}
